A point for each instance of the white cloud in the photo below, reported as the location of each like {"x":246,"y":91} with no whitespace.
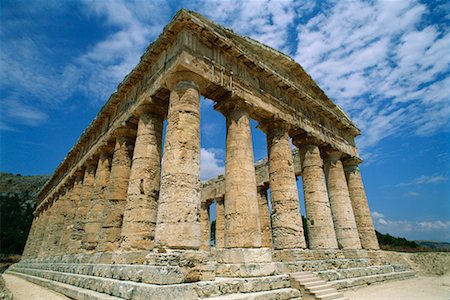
{"x":210,"y":164}
{"x":21,"y":113}
{"x":381,"y":65}
{"x":433,"y":230}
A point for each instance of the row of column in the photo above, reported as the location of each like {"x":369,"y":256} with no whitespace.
{"x":126,"y":199}
{"x":337,"y":211}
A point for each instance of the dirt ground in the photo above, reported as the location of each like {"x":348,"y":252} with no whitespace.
{"x":24,"y":290}
{"x":420,"y":288}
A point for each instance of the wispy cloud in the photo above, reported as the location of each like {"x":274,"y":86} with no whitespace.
{"x":437,"y":229}
{"x":384,"y":64}
{"x":411,"y":194}
{"x":424,"y":179}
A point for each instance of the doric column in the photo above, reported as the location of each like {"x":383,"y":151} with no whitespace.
{"x":94,"y":218}
{"x":341,"y":207}
{"x":41,"y":246}
{"x":360,"y":206}
{"x":83,"y":206}
{"x":242,"y":228}
{"x":264,"y":217}
{"x":38,"y":233}
{"x":71,"y":210}
{"x":321,"y":234}
{"x":139,"y":220}
{"x":220,"y":223}
{"x":116,"y":191}
{"x":178,"y":225}
{"x":205,"y":227}
{"x":54,"y":228}
{"x":287,"y":226}
{"x":31,"y":239}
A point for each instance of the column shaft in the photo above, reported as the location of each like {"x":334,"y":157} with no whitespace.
{"x":53,"y":232}
{"x":178,"y":225}
{"x":321,"y":234}
{"x":264,"y":218}
{"x":41,"y":247}
{"x":31,"y":239}
{"x":360,"y":206}
{"x":94,"y":218}
{"x":72,"y":206}
{"x":220,"y":223}
{"x":287,"y":226}
{"x":205,"y":227}
{"x":139,"y":220}
{"x":83,"y":207}
{"x":116,"y":193}
{"x":341,"y":207}
{"x":242,"y":228}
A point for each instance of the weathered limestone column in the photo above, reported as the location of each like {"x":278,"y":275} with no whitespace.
{"x":360,"y":206}
{"x":321,"y":234}
{"x":71,"y":210}
{"x":242,"y":228}
{"x":341,"y":207}
{"x":31,"y":239}
{"x":58,"y":248}
{"x":220,"y":223}
{"x":205,"y":227}
{"x":287,"y":226}
{"x":83,"y":206}
{"x":41,"y":246}
{"x":178,"y":225}
{"x":53,"y":232}
{"x":264,"y":217}
{"x":139,"y":220}
{"x":94,"y":218}
{"x":116,"y":191}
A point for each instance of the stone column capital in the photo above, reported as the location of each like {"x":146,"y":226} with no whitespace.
{"x":332,"y":155}
{"x":352,"y":162}
{"x":184,"y":78}
{"x":230,"y":105}
{"x":304,"y":139}
{"x":150,"y":106}
{"x":124,"y":132}
{"x":275,"y":123}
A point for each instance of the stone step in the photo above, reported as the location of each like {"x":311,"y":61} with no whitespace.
{"x":337,"y":274}
{"x":222,"y":286}
{"x":65,"y":289}
{"x":136,"y":290}
{"x":312,"y":285}
{"x":117,"y":288}
{"x":280,"y":294}
{"x":324,"y":265}
{"x":371,"y":279}
{"x":329,"y":296}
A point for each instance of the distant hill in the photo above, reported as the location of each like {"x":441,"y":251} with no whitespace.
{"x":389,"y":242}
{"x":436,"y":246}
{"x":17,"y":203}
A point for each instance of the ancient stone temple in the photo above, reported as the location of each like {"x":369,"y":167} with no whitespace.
{"x":125,"y":217}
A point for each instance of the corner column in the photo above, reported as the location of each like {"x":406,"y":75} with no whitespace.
{"x":321,"y":234}
{"x":116,"y":191}
{"x":341,"y":207}
{"x":178,"y":225}
{"x":287,"y":226}
{"x":360,"y":205}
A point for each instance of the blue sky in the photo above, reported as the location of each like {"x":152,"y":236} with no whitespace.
{"x":387,"y":64}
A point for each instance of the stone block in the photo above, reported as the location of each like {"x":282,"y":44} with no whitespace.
{"x":244,"y":255}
